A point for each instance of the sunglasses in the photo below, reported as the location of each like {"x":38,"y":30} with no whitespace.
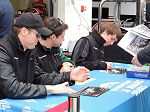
{"x":38,"y":35}
{"x":60,"y":22}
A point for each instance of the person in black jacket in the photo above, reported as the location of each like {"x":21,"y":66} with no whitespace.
{"x":143,"y":57}
{"x":20,"y":75}
{"x":48,"y":52}
{"x":89,"y":52}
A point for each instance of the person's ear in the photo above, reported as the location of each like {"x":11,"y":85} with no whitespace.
{"x":106,"y":32}
{"x":23,"y":31}
{"x":40,"y":38}
{"x":53,"y":36}
{"x":104,"y":35}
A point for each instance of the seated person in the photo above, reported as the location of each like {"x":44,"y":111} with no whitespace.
{"x":143,"y":57}
{"x":48,"y":52}
{"x":20,"y":75}
{"x":89,"y":51}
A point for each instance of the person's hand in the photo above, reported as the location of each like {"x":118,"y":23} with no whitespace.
{"x":109,"y":65}
{"x":79,"y":74}
{"x":136,"y":62}
{"x":59,"y":89}
{"x":66,"y":67}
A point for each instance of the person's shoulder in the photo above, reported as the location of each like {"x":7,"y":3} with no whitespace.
{"x":82,"y":41}
{"x":3,"y":40}
{"x":5,"y":45}
{"x":146,"y":50}
{"x":84,"y":38}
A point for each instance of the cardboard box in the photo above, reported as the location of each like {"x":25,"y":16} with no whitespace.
{"x":138,"y":72}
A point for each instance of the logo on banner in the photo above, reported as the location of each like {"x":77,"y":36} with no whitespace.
{"x":27,"y":109}
{"x":30,"y":100}
{"x":108,"y":85}
{"x":4,"y":105}
{"x":132,"y":87}
{"x":51,"y":105}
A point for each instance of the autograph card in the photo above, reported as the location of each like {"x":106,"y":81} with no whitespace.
{"x":84,"y":82}
{"x":117,"y":71}
{"x":92,"y":91}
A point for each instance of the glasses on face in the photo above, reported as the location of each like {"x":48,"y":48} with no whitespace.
{"x":60,"y":22}
{"x":37,"y":34}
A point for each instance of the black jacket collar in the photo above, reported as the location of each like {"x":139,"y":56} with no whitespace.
{"x":97,"y":37}
{"x":43,"y":48}
{"x":14,"y":39}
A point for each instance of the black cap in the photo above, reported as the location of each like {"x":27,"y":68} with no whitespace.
{"x":32,"y":21}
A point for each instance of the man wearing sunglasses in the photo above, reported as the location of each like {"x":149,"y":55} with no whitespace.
{"x":20,"y":75}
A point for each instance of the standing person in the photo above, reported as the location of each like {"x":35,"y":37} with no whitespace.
{"x":20,"y":75}
{"x":48,"y":52}
{"x":143,"y":57}
{"x":89,"y":51}
{"x":6,"y":17}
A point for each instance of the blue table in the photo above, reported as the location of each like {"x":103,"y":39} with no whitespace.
{"x":125,"y":95}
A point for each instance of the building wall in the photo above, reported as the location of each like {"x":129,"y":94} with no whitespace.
{"x":19,"y":4}
{"x":79,"y":22}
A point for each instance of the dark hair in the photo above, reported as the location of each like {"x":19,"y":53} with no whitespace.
{"x":16,"y":29}
{"x":55,"y":25}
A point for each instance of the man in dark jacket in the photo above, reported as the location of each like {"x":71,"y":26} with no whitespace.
{"x":48,"y":52}
{"x":89,"y":52}
{"x":143,"y":57}
{"x":20,"y":75}
{"x":6,"y":17}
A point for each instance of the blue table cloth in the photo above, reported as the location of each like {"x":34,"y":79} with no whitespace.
{"x":125,"y":95}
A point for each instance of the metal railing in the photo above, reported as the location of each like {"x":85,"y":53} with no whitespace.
{"x":139,"y":9}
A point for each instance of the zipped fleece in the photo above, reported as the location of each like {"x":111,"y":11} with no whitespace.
{"x":20,"y":75}
{"x":50,"y":60}
{"x":89,"y":52}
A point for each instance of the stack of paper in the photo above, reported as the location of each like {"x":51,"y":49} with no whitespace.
{"x":136,"y":39}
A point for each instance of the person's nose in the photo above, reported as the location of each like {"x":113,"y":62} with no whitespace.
{"x":37,"y":39}
{"x":63,"y":39}
{"x":111,"y":43}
